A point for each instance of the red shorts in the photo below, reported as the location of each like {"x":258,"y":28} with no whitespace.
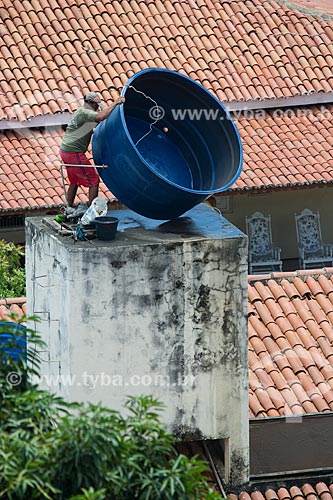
{"x":79,"y":176}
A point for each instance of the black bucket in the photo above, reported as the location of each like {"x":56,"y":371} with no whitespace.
{"x":106,"y":227}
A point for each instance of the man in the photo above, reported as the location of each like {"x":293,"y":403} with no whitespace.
{"x":75,"y":144}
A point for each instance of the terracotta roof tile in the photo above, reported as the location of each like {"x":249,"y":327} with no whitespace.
{"x":301,"y":351}
{"x":17,"y":306}
{"x":274,"y":156}
{"x":298,"y":490}
{"x":255,"y":55}
{"x":33,"y":181}
{"x":257,"y":495}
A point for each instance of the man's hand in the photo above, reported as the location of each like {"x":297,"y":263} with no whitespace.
{"x":107,"y":111}
{"x":120,"y":100}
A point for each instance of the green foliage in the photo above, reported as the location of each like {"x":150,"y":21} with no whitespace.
{"x":90,"y":494}
{"x":21,"y":462}
{"x":12,"y":272}
{"x":56,"y":451}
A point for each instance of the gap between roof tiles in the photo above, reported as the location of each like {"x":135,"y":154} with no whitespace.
{"x":291,"y":275}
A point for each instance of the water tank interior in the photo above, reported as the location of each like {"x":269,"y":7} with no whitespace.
{"x":192,"y":143}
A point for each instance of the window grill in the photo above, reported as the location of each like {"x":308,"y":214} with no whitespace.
{"x":11,"y":221}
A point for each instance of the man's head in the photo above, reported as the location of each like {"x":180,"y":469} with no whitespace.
{"x":93,"y":100}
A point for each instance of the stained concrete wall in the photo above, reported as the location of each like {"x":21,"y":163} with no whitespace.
{"x":161,"y":310}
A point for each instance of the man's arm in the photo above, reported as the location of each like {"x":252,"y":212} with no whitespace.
{"x":101,"y":115}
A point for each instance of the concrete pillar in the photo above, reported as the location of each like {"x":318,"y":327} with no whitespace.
{"x":160,"y":310}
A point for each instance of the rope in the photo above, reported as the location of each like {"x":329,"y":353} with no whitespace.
{"x":63,"y":183}
{"x":152,"y":123}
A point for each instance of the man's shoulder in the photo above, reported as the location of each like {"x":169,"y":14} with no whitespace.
{"x":86,"y":114}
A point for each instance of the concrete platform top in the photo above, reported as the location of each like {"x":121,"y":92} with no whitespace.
{"x":201,"y":222}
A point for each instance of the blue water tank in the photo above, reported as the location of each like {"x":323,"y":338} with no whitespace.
{"x":168,"y":147}
{"x":13,"y":342}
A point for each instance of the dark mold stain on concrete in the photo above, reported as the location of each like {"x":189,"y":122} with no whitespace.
{"x":206,"y":359}
{"x":85,"y":312}
{"x":170,"y":247}
{"x":154,"y":247}
{"x":156,"y":269}
{"x":202,"y":312}
{"x":207,"y":256}
{"x":144,"y":301}
{"x":161,"y":326}
{"x":55,"y":264}
{"x":199,"y":339}
{"x":203,"y":300}
{"x":158,"y":297}
{"x":176,"y":365}
{"x":117,"y":264}
{"x":186,"y":433}
{"x":85,"y":270}
{"x":179,"y":283}
{"x":238,"y":467}
{"x":134,"y":255}
{"x":174,"y":318}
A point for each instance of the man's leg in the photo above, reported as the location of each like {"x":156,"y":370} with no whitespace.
{"x":93,"y":193}
{"x":71,"y":193}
